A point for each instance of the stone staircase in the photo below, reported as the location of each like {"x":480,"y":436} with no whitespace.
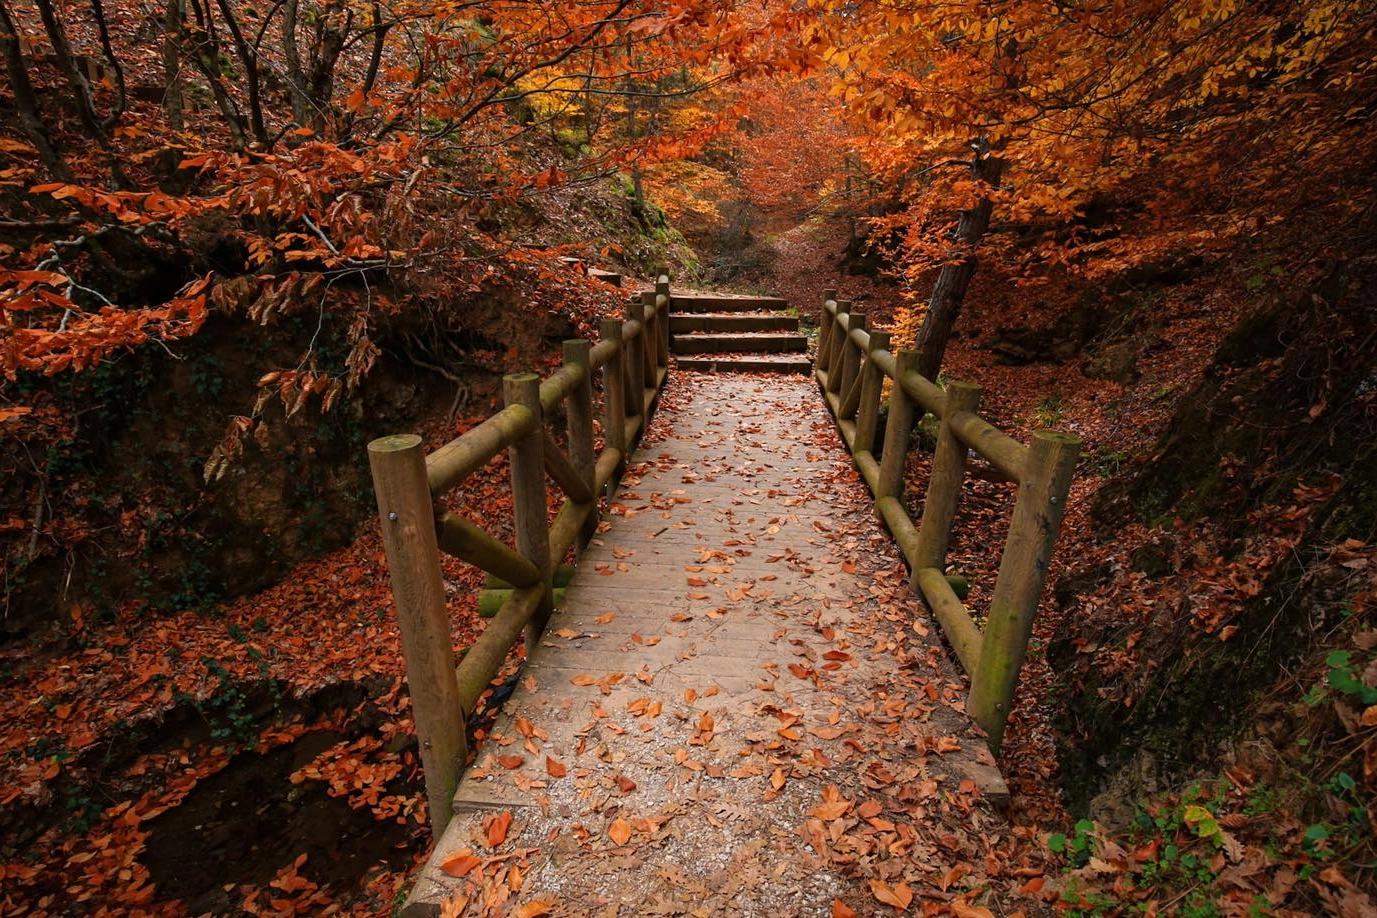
{"x":721,"y":333}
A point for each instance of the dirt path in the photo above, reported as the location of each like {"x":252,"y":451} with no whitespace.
{"x":740,"y":710}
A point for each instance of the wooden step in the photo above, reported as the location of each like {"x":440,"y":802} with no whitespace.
{"x":721,"y":302}
{"x":745,"y":363}
{"x":760,"y":343}
{"x":731,"y":322}
{"x":607,"y":277}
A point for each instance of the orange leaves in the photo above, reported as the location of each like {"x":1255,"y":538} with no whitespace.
{"x":833,"y":805}
{"x":900,"y":895}
{"x":461,"y":864}
{"x":619,"y":831}
{"x":495,"y":827}
{"x":703,"y":730}
{"x":554,"y":768}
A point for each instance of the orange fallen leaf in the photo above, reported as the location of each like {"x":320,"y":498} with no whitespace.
{"x":900,"y":895}
{"x":584,"y":680}
{"x":555,"y":769}
{"x":497,"y":827}
{"x":461,"y":863}
{"x":536,"y":908}
{"x":841,"y":910}
{"x":619,"y":831}
{"x":604,"y":619}
{"x":962,"y":909}
{"x":510,"y":761}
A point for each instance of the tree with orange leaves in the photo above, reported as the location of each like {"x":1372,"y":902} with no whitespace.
{"x":1038,"y":107}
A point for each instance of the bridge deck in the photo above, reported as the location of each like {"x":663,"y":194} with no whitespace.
{"x":734,"y":713}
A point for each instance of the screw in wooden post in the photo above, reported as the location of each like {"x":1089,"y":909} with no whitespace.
{"x":579,"y":425}
{"x":944,"y":483}
{"x":1022,"y":572}
{"x":530,"y":507}
{"x":891,"y":481}
{"x":872,"y":381}
{"x":413,"y":564}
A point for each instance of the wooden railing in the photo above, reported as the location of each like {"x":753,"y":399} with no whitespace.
{"x":851,"y":365}
{"x":417,"y":525}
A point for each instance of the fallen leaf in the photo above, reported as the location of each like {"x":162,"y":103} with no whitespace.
{"x":535,"y":908}
{"x":899,"y":895}
{"x":619,"y":831}
{"x":461,"y":863}
{"x":496,"y":827}
{"x":555,"y":769}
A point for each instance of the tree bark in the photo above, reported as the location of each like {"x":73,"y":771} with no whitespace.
{"x":26,"y":100}
{"x":172,"y":63}
{"x":944,"y":305}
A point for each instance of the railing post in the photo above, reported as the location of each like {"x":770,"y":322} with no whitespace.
{"x":635,"y":366}
{"x":838,"y":349}
{"x":868,"y":409}
{"x":614,"y":398}
{"x":944,"y":484}
{"x":826,"y":326}
{"x":895,"y":453}
{"x":1022,"y":572}
{"x":413,"y":565}
{"x":850,"y":362}
{"x":650,"y":354}
{"x":579,"y":425}
{"x":662,"y":287}
{"x":530,"y":507}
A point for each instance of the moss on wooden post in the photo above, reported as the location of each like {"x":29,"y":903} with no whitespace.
{"x":579,"y":427}
{"x":530,"y":508}
{"x":897,"y":429}
{"x":1022,"y":573}
{"x":868,"y":409}
{"x":614,"y":398}
{"x":413,"y":564}
{"x":944,"y":483}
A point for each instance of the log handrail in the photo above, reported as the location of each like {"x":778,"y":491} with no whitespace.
{"x":851,"y":364}
{"x":417,"y":525}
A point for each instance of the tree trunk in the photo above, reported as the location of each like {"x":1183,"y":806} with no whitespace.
{"x":26,"y":100}
{"x":944,"y":305}
{"x":172,"y":63}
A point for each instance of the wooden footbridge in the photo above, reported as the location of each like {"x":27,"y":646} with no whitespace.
{"x":739,"y":707}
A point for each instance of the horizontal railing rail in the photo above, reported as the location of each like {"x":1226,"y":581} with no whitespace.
{"x":851,"y":366}
{"x":417,"y":523}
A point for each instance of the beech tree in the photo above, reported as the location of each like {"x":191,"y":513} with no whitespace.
{"x":1030,"y":109}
